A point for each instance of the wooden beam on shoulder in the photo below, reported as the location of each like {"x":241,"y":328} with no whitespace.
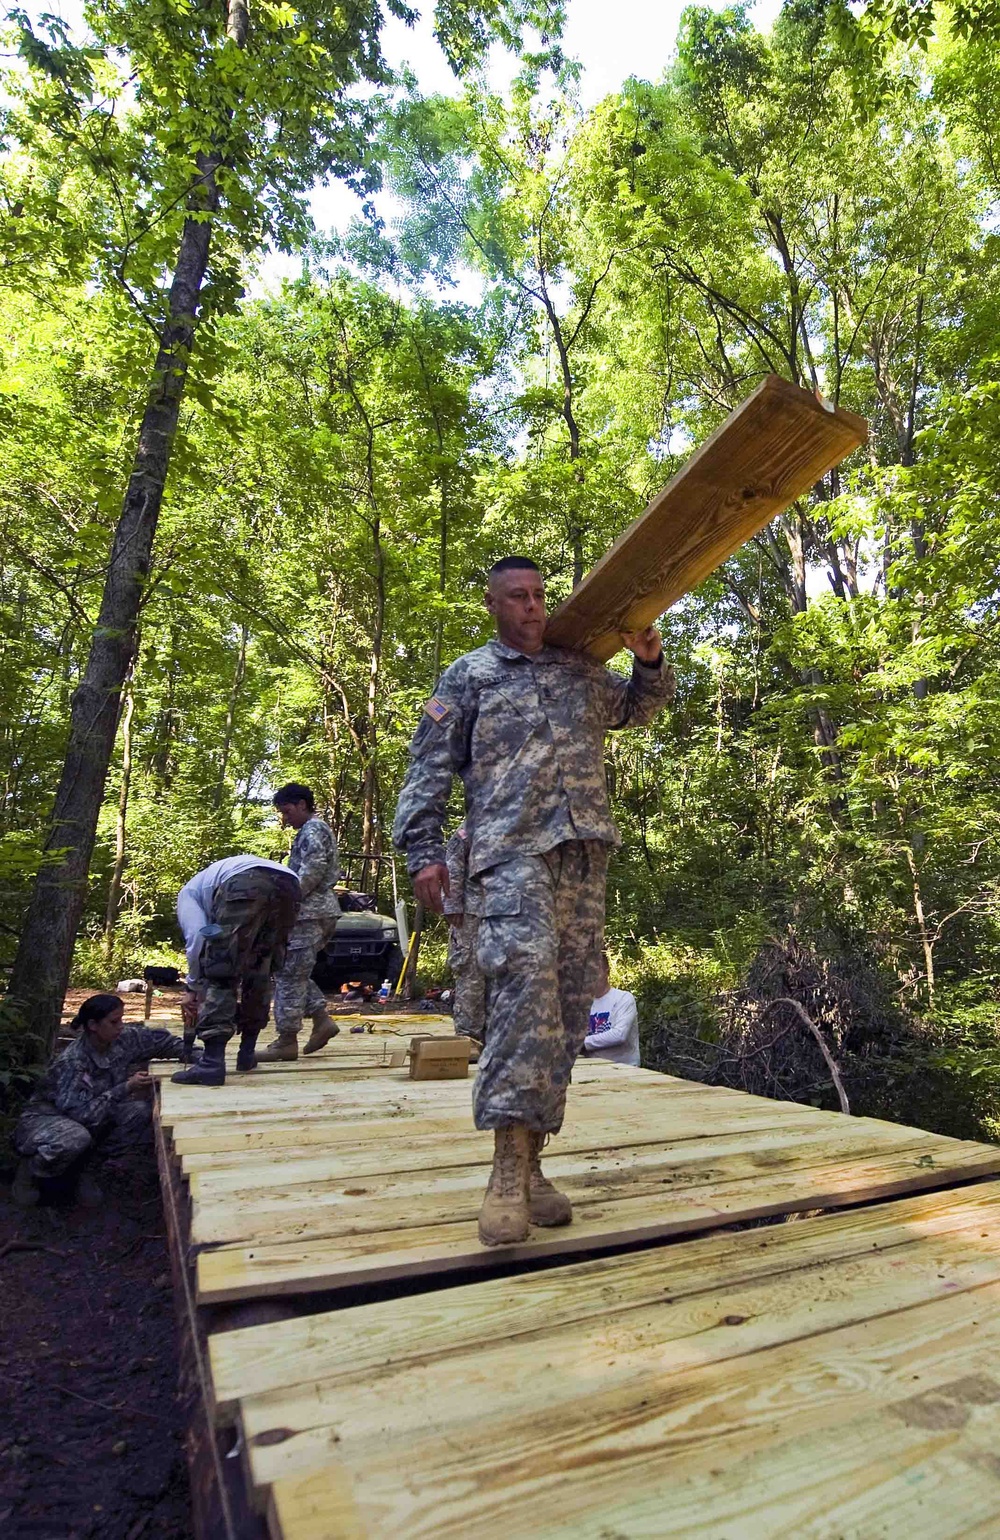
{"x":768,"y":452}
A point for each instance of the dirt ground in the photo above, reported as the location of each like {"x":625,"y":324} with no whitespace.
{"x":90,"y":1423}
{"x":90,"y":1427}
{"x":91,"y":1430}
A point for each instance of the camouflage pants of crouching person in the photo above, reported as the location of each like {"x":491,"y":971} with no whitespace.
{"x":254,"y":912}
{"x":539,"y":947}
{"x":55,"y":1144}
{"x":295,"y":994}
{"x":469,"y":1010}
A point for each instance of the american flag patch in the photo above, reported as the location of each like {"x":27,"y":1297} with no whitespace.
{"x":437,"y":709}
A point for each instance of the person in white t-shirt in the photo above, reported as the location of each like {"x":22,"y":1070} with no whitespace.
{"x":614,"y":1022}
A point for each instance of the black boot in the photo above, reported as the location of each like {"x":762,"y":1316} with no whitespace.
{"x":210,"y":1068}
{"x":246,"y":1059}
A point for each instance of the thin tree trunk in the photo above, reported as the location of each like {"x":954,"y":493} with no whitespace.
{"x":374,"y":672}
{"x":234,"y":695}
{"x":44,"y":956}
{"x":926,"y":944}
{"x":115,"y":890}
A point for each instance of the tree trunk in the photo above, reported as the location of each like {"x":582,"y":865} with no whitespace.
{"x":374,"y":672}
{"x":926,"y":943}
{"x":42,"y":965}
{"x":115,"y":890}
{"x":234,"y":694}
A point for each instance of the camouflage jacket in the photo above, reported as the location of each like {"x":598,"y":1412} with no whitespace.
{"x":84,"y":1083}
{"x":315,"y":862}
{"x":526,"y":735}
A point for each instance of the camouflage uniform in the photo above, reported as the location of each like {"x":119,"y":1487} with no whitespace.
{"x":314,"y":860}
{"x":469,"y":1010}
{"x":526,"y":735}
{"x":251,"y":915}
{"x":82,"y":1105}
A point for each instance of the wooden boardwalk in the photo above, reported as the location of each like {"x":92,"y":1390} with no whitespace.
{"x":644,"y":1372}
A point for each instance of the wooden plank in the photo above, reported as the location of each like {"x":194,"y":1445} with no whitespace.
{"x":370,"y":1339}
{"x":338,"y":1205}
{"x":381,"y":1145}
{"x":583,"y":1151}
{"x":625,"y":1349}
{"x":771,"y":1443}
{"x":285,"y":1267}
{"x":768,"y":452}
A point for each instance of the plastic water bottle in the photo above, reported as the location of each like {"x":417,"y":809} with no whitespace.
{"x":385,"y":991}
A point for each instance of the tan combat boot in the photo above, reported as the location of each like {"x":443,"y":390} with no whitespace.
{"x":324,"y":1027}
{"x":503,"y":1218}
{"x":546,"y":1204}
{"x":285,"y":1046}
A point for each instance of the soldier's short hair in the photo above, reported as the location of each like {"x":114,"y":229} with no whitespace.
{"x":293,"y":792}
{"x":511,"y":563}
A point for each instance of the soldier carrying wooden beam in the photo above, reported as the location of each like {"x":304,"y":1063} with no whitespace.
{"x":524,"y":724}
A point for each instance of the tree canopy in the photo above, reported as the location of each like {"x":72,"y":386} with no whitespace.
{"x":352,"y":449}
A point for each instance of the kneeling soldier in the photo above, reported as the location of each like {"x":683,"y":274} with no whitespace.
{"x":93,"y":1101}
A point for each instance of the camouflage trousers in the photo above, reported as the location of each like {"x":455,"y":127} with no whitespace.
{"x":255,"y":910}
{"x":539,"y":947}
{"x":295,"y":994}
{"x":469,"y":1009}
{"x":55,"y":1143}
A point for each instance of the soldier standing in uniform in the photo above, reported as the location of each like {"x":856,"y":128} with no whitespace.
{"x":523,"y":724}
{"x":92,"y":1101}
{"x":235,"y":916}
{"x":313,"y":859}
{"x":470,"y":986}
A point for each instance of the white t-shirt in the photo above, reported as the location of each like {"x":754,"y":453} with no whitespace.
{"x":194,"y":902}
{"x":614,"y":1028}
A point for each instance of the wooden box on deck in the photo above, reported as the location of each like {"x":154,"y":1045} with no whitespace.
{"x":439,"y":1058}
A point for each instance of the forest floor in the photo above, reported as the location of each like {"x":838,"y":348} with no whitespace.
{"x":90,"y":1425}
{"x":91,"y":1429}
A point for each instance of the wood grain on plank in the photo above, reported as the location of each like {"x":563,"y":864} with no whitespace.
{"x":354,"y":1255}
{"x":660,"y":1459}
{"x":377,"y":1203}
{"x":768,"y":452}
{"x":628,"y":1348}
{"x":356,"y":1343}
{"x":568,"y":1154}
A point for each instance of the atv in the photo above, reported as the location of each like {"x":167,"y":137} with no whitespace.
{"x":365,"y":946}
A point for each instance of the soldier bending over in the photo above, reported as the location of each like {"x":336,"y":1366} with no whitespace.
{"x":93,"y":1101}
{"x":235,"y":916}
{"x":523,"y":724}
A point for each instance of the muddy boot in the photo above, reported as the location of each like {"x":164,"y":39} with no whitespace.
{"x":24,"y":1189}
{"x":210,"y":1068}
{"x":88,"y":1193}
{"x":246,"y":1058}
{"x":546,"y":1204}
{"x":285,"y":1046}
{"x":503,"y":1218}
{"x":324,"y":1027}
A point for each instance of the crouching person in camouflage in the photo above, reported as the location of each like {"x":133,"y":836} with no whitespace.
{"x":469,"y":1010}
{"x":523,"y":724}
{"x":313,"y":859}
{"x":92,"y":1103}
{"x":236,"y":916}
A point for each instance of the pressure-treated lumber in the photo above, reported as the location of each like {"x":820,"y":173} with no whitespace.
{"x":768,"y":452}
{"x":879,"y":1428}
{"x":369,"y":1340}
{"x":355,"y":1250}
{"x":715,"y":1389}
